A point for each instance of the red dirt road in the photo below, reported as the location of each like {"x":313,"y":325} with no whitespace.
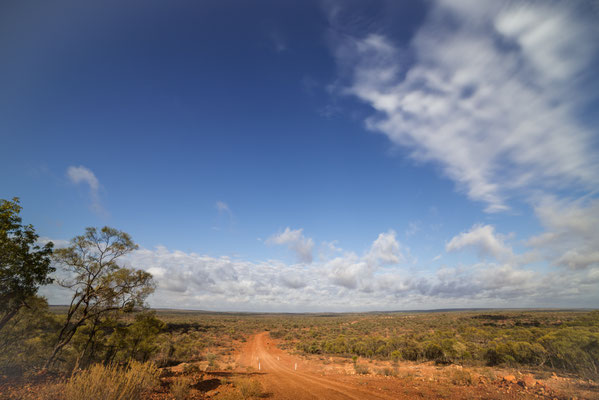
{"x":282,"y":381}
{"x":275,"y":369}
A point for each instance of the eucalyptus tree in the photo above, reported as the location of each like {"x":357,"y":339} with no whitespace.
{"x":25,"y":265}
{"x":101,"y":286}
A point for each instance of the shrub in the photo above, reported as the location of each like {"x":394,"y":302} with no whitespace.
{"x":190,"y":369}
{"x":461,"y":377}
{"x":229,"y":395}
{"x":574,"y":350}
{"x":361,"y":369}
{"x":112,"y":382}
{"x":386,"y":371}
{"x":181,"y":387}
{"x":26,"y":340}
{"x":411,"y":351}
{"x":434,"y":352}
{"x":249,"y":388}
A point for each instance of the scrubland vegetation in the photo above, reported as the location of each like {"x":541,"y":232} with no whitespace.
{"x":106,"y":344}
{"x":565,"y":341}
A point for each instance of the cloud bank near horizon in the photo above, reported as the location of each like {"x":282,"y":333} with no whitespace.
{"x":383,"y":277}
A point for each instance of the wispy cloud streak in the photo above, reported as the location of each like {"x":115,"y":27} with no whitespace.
{"x":491,"y":96}
{"x":84,"y":175}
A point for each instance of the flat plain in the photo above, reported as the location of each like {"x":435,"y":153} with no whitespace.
{"x":462,"y":354}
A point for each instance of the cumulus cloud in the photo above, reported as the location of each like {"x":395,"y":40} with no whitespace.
{"x":385,"y":249}
{"x":352,"y":271}
{"x":296,"y":241}
{"x":348,"y":283}
{"x":491,"y":95}
{"x":484,"y":239}
{"x":84,"y":175}
{"x":222,"y":283}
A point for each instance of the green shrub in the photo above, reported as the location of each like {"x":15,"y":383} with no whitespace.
{"x":575,"y":350}
{"x":26,"y":340}
{"x":434,"y":352}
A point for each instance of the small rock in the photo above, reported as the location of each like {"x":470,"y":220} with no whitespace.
{"x":527,"y":381}
{"x":510,"y":378}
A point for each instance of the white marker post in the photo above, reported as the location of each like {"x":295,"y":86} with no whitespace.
{"x":258,"y":365}
{"x":277,"y":358}
{"x":296,"y":366}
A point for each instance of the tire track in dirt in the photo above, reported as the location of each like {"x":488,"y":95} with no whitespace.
{"x":281,"y":379}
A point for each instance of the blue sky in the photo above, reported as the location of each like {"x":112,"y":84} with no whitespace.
{"x":314,"y":155}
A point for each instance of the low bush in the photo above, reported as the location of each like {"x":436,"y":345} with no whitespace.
{"x":461,"y":377}
{"x":249,"y":388}
{"x":181,"y":387}
{"x":386,"y":371}
{"x":191,"y":369}
{"x":361,"y":369}
{"x":112,"y":382}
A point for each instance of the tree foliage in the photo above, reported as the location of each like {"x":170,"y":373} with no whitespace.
{"x":24,"y":264}
{"x":26,"y":340}
{"x":101,"y":287}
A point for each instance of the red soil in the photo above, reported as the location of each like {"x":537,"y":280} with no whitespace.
{"x":276,"y":371}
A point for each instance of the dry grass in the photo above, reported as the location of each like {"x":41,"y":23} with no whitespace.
{"x":244,"y":389}
{"x":181,"y":387}
{"x":249,"y":388}
{"x":112,"y":382}
{"x":361,"y":369}
{"x":460,"y":377}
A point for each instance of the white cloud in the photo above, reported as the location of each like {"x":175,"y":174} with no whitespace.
{"x":485,"y":240}
{"x":385,"y":249}
{"x":491,"y":95}
{"x":81,"y":174}
{"x":349,"y":271}
{"x":296,"y":241}
{"x":191,"y":280}
{"x":84,"y":175}
{"x":58,"y":243}
{"x":352,"y":271}
{"x":571,"y":238}
{"x":549,"y":39}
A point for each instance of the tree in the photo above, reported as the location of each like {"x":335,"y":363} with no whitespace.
{"x":136,"y":341}
{"x":24,"y":264}
{"x":101,"y":286}
{"x":27,"y":339}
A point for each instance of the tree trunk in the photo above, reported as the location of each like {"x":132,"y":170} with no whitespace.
{"x":7,"y":317}
{"x":63,"y":341}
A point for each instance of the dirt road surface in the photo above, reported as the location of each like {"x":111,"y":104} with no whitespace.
{"x":280,"y":378}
